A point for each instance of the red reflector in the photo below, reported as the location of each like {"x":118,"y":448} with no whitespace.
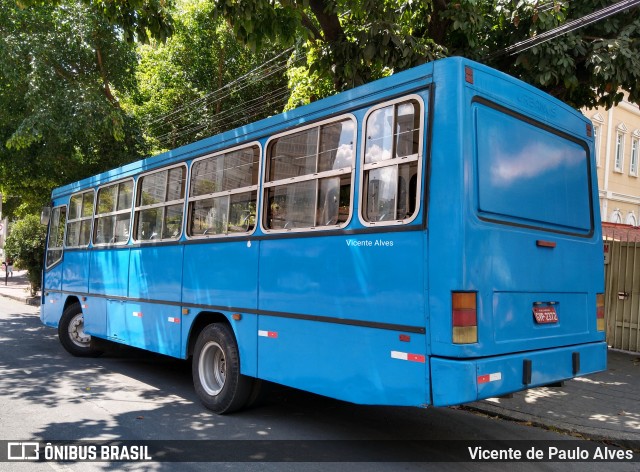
{"x":405,"y":338}
{"x":468,"y":74}
{"x":600,"y":312}
{"x":542,"y":243}
{"x":589,"y":130}
{"x":416,"y":358}
{"x":464,"y":317}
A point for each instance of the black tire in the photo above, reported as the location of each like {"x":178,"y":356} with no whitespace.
{"x":216,"y":371}
{"x":71,"y":333}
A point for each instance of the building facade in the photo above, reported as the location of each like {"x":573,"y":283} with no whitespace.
{"x":617,"y":135}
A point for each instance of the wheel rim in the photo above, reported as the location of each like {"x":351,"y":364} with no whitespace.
{"x":212,"y":368}
{"x":76,"y":331}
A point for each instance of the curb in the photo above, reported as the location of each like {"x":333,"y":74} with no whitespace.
{"x":32,"y":301}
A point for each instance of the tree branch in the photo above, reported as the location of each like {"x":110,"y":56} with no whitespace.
{"x":107,"y":89}
{"x":438,"y":27}
{"x":329,"y":21}
{"x":306,"y":21}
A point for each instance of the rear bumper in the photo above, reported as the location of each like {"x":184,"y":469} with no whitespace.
{"x":462,"y":381}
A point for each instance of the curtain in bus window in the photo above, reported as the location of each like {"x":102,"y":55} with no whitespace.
{"x":530,"y":174}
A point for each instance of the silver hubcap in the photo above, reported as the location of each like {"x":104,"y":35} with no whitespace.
{"x":76,"y":331}
{"x":212,"y":368}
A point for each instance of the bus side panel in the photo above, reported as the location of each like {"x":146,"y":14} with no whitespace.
{"x":94,"y":310}
{"x":51,"y":310}
{"x":109,"y":272}
{"x":351,"y":363}
{"x":155,"y":273}
{"x":377,"y":278}
{"x":109,"y":276}
{"x":76,"y":271}
{"x":221,"y":274}
{"x":149,"y":326}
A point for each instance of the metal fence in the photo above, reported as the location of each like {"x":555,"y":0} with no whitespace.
{"x":622,"y":286}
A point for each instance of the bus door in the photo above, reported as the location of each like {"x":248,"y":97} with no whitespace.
{"x":53,"y":301}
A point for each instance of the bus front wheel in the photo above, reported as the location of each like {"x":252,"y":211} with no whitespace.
{"x":72,"y":335}
{"x":216,"y":371}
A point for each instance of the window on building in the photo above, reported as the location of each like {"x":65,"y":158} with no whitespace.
{"x":631,"y":219}
{"x":633,"y":167}
{"x":619,"y":156}
{"x":596,"y":139}
{"x":616,"y":216}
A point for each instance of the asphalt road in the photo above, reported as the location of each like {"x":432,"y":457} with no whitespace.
{"x":127,"y":394}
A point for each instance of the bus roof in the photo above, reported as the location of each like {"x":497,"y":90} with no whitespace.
{"x":397,"y":84}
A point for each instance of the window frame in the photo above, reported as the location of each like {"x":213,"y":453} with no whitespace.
{"x":619,"y":152}
{"x":60,"y":248}
{"x":80,"y":219}
{"x":97,"y":215}
{"x":139,"y":208}
{"x":633,"y":157}
{"x":596,"y":142}
{"x":228,"y":193}
{"x":310,"y":177}
{"x":394,"y":161}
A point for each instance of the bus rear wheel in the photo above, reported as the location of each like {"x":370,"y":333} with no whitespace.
{"x":216,"y":371}
{"x":72,"y":335}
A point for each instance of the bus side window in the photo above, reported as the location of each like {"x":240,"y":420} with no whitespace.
{"x":223,"y":193}
{"x":57,"y":225}
{"x":160,"y":204}
{"x":391,"y":167}
{"x":79,"y":221}
{"x":308,"y":178}
{"x":113,"y":213}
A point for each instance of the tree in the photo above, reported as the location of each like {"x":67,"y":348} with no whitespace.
{"x":350,"y":42}
{"x":63,"y":69}
{"x":185,"y":90}
{"x":25,"y":246}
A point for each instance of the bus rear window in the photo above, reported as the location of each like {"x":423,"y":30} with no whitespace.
{"x":530,"y":175}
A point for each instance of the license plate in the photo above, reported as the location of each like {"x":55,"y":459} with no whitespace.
{"x":545,"y":314}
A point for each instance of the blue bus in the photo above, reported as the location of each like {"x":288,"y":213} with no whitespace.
{"x":430,"y":238}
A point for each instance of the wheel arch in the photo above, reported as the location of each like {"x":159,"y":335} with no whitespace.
{"x":71,"y":299}
{"x":204,"y":319}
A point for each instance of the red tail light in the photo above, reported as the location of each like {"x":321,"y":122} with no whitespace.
{"x":464,"y":316}
{"x":600,"y":311}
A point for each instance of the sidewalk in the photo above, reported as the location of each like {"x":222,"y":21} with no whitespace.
{"x":603,"y":406}
{"x":17,"y":287}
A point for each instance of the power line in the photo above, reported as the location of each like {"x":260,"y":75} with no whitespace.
{"x":226,"y":119}
{"x":215,"y":96}
{"x":226,"y":86}
{"x":252,"y":108}
{"x":566,"y":28}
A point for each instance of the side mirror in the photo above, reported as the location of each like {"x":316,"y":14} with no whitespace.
{"x":45,"y":215}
